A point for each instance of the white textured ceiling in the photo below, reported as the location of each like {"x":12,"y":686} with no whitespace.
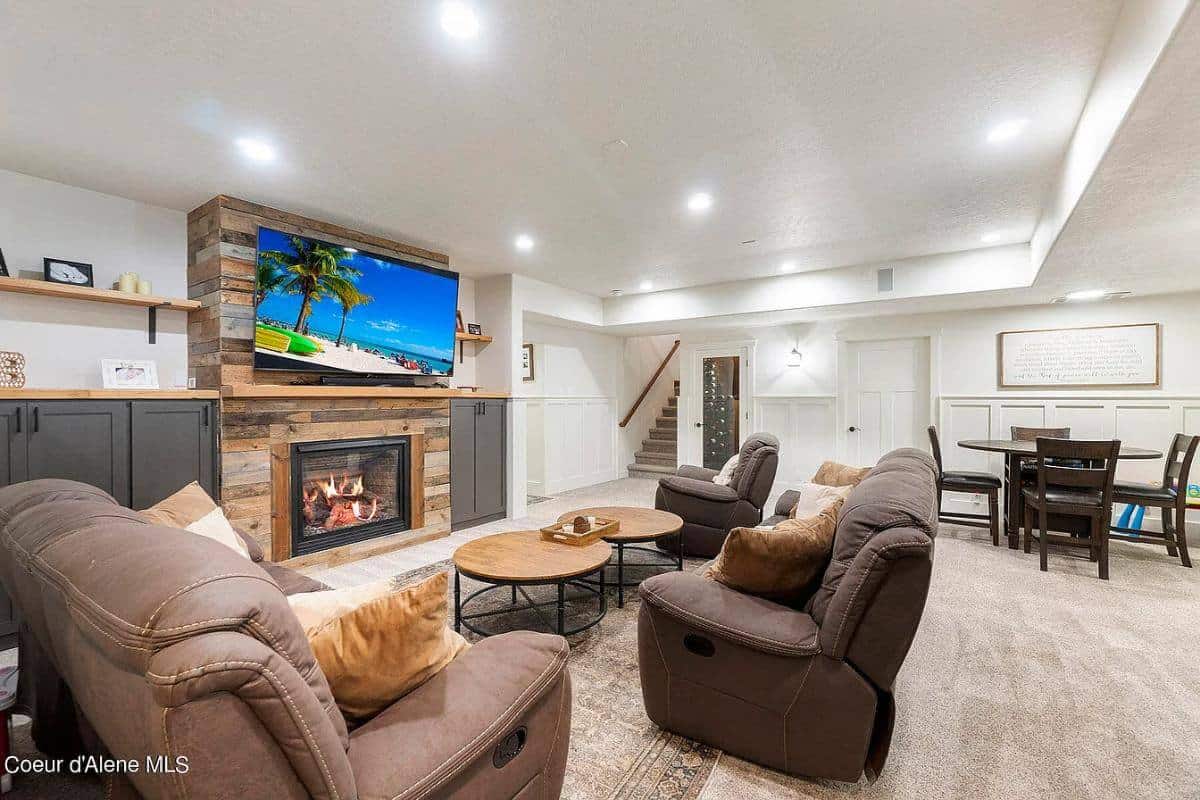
{"x":832,"y":132}
{"x":1137,"y":227}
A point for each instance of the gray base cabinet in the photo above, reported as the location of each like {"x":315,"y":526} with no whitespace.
{"x":139,"y":451}
{"x":477,"y":462}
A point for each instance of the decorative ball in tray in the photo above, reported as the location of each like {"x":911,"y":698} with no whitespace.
{"x":581,"y":530}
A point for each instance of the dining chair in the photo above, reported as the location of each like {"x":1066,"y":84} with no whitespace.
{"x":967,"y":483}
{"x":1170,"y":497}
{"x":1067,"y":490}
{"x":1021,"y":434}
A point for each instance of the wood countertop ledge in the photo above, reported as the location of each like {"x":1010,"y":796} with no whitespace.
{"x":109,"y":394}
{"x":251,"y":391}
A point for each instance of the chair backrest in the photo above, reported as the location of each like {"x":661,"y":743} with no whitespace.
{"x":936,"y":446}
{"x":873,"y":592}
{"x":1077,"y":464}
{"x":758,"y":460}
{"x":1020,"y":434}
{"x":1179,"y":462}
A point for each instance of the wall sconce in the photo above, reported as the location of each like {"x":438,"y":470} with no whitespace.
{"x":795,"y":357}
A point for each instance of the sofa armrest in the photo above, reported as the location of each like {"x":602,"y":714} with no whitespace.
{"x":697,"y":473}
{"x":702,"y":490}
{"x":727,"y":614}
{"x":445,"y":736}
{"x":786,"y":502}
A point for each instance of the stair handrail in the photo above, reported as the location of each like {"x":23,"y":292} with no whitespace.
{"x":649,"y":384}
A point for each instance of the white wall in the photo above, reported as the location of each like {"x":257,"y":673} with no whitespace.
{"x":799,"y":403}
{"x":570,"y":407}
{"x":465,"y":371}
{"x":63,"y":341}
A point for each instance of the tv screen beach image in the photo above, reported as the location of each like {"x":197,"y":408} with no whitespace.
{"x":323,"y":307}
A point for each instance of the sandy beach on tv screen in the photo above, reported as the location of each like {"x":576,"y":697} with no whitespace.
{"x":342,"y":358}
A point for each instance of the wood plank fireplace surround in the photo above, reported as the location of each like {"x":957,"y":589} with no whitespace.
{"x":264,"y":415}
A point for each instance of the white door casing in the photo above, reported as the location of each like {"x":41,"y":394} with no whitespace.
{"x":690,"y":412}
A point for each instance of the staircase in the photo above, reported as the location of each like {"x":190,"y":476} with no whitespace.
{"x":658,"y":454}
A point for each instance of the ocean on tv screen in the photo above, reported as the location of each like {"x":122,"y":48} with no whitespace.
{"x":321,"y":307}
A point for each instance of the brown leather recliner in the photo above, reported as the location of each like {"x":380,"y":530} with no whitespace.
{"x":808,"y":692}
{"x":709,"y":510}
{"x":170,"y":645}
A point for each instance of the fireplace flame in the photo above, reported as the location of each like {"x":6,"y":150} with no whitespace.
{"x":356,"y":506}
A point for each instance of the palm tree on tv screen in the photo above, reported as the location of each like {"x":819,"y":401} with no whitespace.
{"x":350,"y":299}
{"x":268,"y":278}
{"x":314,"y":271}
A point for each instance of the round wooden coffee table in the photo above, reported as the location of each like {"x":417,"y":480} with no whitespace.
{"x":638,"y":525}
{"x":523,"y":558}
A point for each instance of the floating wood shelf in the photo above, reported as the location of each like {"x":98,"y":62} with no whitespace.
{"x":148,"y":301}
{"x":463,"y":338}
{"x":109,"y":394}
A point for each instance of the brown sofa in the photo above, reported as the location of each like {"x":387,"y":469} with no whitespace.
{"x":154,"y":642}
{"x":804,"y":690}
{"x":710,"y":511}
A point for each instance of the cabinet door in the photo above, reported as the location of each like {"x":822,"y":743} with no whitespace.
{"x":14,"y":421}
{"x":81,"y":440}
{"x":489,"y":459}
{"x":462,"y":460}
{"x":173,"y":445}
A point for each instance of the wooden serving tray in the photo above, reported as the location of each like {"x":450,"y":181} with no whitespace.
{"x":563,"y":532}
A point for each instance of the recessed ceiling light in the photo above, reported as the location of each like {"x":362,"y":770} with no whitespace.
{"x":699,"y":201}
{"x":1087,"y":294}
{"x":992,"y":237}
{"x":523,"y":242}
{"x":459,"y":20}
{"x":646,"y":286}
{"x":787,"y":266}
{"x":1009,"y":129}
{"x":256,"y":149}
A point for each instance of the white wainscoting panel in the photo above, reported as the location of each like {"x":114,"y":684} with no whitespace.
{"x":805,"y":426}
{"x":1139,"y":420}
{"x":573,"y":444}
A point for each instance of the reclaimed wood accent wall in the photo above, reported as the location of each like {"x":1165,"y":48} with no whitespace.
{"x":222,"y":253}
{"x":256,"y":439}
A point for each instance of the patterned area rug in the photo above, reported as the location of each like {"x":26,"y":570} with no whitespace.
{"x":617,"y":753}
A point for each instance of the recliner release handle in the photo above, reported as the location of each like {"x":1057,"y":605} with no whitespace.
{"x":700,"y":645}
{"x":509,"y":748}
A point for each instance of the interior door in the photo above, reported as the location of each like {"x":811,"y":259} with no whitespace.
{"x":721,"y":406}
{"x":885,"y":398}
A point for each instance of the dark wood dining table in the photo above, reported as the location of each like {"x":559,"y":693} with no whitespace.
{"x":1014,"y":452}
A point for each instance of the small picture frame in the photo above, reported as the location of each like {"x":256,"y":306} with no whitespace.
{"x":458,"y":321}
{"x":120,"y":373}
{"x":72,"y":273}
{"x":3,"y":266}
{"x":527,"y":374}
{"x":475,"y":329}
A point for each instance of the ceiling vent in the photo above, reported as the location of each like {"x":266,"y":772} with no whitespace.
{"x":884,"y":279}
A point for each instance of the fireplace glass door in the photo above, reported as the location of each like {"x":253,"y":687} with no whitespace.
{"x":347,"y":491}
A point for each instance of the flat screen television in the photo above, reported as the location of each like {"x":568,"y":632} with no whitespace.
{"x":322,"y":307}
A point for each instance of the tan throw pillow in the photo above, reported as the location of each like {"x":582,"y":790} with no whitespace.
{"x":831,"y":473}
{"x":193,"y":510}
{"x":815,"y":498}
{"x":380,"y":650}
{"x":782,"y":564}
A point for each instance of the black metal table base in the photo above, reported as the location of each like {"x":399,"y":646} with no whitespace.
{"x":669,"y":560}
{"x":556,"y":624}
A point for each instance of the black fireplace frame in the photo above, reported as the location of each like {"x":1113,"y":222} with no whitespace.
{"x":302,"y":545}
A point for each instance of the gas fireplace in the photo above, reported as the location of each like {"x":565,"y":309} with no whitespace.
{"x":347,"y":491}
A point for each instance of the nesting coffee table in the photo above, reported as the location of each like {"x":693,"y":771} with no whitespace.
{"x":638,"y":526}
{"x":520,"y":559}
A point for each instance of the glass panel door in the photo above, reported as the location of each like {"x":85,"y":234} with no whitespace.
{"x":720,"y":408}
